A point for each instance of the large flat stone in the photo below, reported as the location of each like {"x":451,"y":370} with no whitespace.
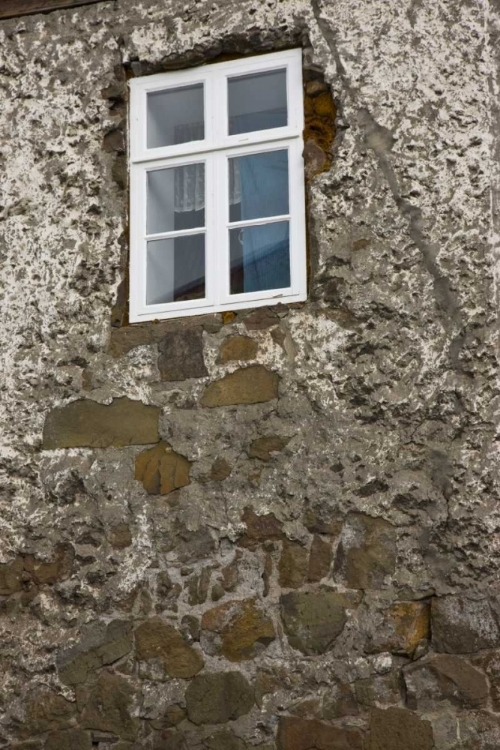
{"x":442,"y":678}
{"x":181,"y":355}
{"x":313,"y":619}
{"x":399,"y":729}
{"x":87,"y":424}
{"x":249,"y":385}
{"x":366,"y":554}
{"x":309,"y":734}
{"x":161,"y":470}
{"x":461,"y":625}
{"x":219,"y":697}
{"x":155,"y":639}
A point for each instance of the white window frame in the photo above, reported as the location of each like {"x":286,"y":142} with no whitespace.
{"x":214,"y":151}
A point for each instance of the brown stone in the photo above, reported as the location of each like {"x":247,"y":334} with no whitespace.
{"x":320,"y":559}
{"x":292,"y":566}
{"x":161,"y":470}
{"x":320,"y":519}
{"x":11,"y":576}
{"x":243,"y":627}
{"x":120,"y":536}
{"x":249,"y":385}
{"x":399,"y":729}
{"x":128,"y":337}
{"x":49,"y":573}
{"x":339,"y":701}
{"x":216,"y":698}
{"x":490,"y":663}
{"x":46,"y":711}
{"x":260,"y":319}
{"x":405,"y":625}
{"x":156,"y":639}
{"x":379,"y":690}
{"x":103,"y":646}
{"x":260,"y":528}
{"x":301,"y":734}
{"x":238,"y":348}
{"x":366,"y":554}
{"x":220,"y":470}
{"x":443,"y":677}
{"x":263,"y":447}
{"x":313,"y":620}
{"x":315,"y":159}
{"x":87,"y":424}
{"x":107,"y":707}
{"x":69,"y":739}
{"x":324,"y":105}
{"x":181,"y":355}
{"x":460,"y":625}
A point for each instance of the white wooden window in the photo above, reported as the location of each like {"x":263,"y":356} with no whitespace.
{"x":217,"y":209}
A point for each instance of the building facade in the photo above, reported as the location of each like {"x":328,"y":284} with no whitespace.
{"x":274,"y":527}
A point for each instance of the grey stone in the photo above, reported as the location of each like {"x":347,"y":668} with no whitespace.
{"x":218,"y":697}
{"x":313,"y":619}
{"x":181,"y":355}
{"x":461,"y":625}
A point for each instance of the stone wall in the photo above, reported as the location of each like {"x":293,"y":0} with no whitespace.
{"x":276,"y":529}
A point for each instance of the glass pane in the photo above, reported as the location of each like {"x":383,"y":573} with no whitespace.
{"x":260,"y":257}
{"x":176,"y":198}
{"x":175,"y":116}
{"x":175,"y":269}
{"x":258,"y":186}
{"x":257,"y":102}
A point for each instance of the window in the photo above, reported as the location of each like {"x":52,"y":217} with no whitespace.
{"x":217,"y":188}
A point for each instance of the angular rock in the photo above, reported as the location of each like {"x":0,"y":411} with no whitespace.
{"x":399,"y":729}
{"x":87,"y":424}
{"x":161,"y":470}
{"x":313,"y":619}
{"x":220,"y":470}
{"x":490,"y":663}
{"x":263,"y":447}
{"x":181,"y":355}
{"x":260,"y":319}
{"x":48,"y":573}
{"x":102,"y":646}
{"x":310,"y":734}
{"x":293,"y":565}
{"x":11,"y":576}
{"x":460,"y":625}
{"x":339,"y":701}
{"x":108,"y":706}
{"x":243,"y":628}
{"x":441,"y":678}
{"x":249,"y":385}
{"x":379,"y":690}
{"x":155,"y":639}
{"x":366,"y":554}
{"x":320,"y":519}
{"x":219,"y":697}
{"x":69,"y":739}
{"x":46,"y":711}
{"x":405,"y":625}
{"x":315,"y":159}
{"x":120,"y":536}
{"x":238,"y":348}
{"x":320,"y":559}
{"x":260,"y":529}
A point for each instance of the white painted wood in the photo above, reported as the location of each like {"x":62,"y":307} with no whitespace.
{"x":214,"y":151}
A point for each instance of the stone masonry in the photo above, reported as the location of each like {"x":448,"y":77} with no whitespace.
{"x":277,"y":529}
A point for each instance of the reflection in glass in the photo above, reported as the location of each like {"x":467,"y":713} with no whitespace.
{"x":175,"y":116}
{"x":258,"y":185}
{"x":260,"y":257}
{"x":257,"y":102}
{"x":175,"y":269}
{"x":176,"y":198}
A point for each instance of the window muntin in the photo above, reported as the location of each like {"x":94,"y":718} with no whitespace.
{"x":217,"y":217}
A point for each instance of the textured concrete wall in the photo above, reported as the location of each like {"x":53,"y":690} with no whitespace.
{"x":275,"y":529}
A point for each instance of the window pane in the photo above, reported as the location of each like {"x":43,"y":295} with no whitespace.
{"x":176,"y":198}
{"x":257,"y":102}
{"x":175,"y":269}
{"x":175,"y":116}
{"x":260,"y":258}
{"x":258,"y":186}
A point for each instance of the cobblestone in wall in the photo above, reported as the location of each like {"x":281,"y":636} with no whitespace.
{"x":276,"y":528}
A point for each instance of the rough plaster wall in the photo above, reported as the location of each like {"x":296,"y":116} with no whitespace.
{"x":388,"y":396}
